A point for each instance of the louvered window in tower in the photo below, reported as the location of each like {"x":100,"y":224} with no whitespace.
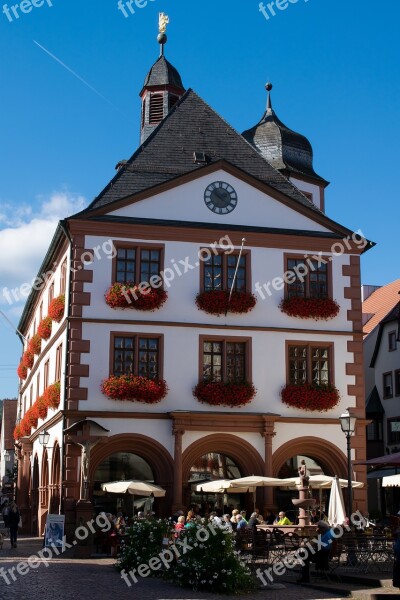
{"x":156,"y":109}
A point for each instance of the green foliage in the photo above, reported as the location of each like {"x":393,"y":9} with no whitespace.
{"x":143,"y":542}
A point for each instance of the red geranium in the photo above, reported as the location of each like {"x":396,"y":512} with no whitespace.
{"x":134,"y":388}
{"x":41,"y":407}
{"x":25,"y":427}
{"x":57,"y":307}
{"x":128,"y":295}
{"x":32,"y":416}
{"x":44,"y":329}
{"x":311,"y":397}
{"x":35,"y":344}
{"x":224,"y":394}
{"x":17,"y":432}
{"x":22,"y":371}
{"x":27,"y":359}
{"x":310,"y":308}
{"x":52,"y":394}
{"x":216,"y":302}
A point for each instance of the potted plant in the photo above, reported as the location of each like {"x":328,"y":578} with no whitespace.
{"x":218,"y":393}
{"x":217,"y":302}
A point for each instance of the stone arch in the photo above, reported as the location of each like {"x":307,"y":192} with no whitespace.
{"x":327,"y":455}
{"x":150,"y":450}
{"x":35,"y":484}
{"x":55,"y":479}
{"x":239,"y":450}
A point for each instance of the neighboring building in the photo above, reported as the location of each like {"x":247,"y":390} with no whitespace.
{"x":7,"y":449}
{"x":381,"y":313}
{"x":180,"y":207}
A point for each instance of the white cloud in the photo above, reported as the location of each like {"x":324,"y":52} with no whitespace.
{"x":25,"y":236}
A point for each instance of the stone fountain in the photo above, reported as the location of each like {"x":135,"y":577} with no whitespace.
{"x":303,"y":501}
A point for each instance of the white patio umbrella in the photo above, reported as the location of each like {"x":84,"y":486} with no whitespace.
{"x":136,"y":488}
{"x":336,"y":510}
{"x":221,"y":486}
{"x":391,"y":481}
{"x":253,"y":481}
{"x":321,"y":481}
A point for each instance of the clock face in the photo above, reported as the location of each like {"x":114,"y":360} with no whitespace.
{"x":220,"y":197}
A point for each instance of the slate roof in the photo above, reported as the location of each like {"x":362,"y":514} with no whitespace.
{"x":191,"y":126}
{"x":10,"y":417}
{"x":379,"y":304}
{"x":163,"y":73}
{"x":284,"y":148}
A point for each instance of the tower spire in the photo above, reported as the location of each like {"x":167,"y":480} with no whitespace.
{"x":162,"y":39}
{"x":268,"y":87}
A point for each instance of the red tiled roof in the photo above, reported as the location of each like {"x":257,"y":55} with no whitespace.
{"x":9,"y":416}
{"x":379,"y":304}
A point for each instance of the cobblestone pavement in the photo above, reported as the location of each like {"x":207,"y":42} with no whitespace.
{"x":67,"y":578}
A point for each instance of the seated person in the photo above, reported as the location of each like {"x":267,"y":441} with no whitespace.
{"x":234,"y":513}
{"x":253,"y":521}
{"x":282,"y":519}
{"x":241,"y":523}
{"x":320,"y":558}
{"x":179,"y":526}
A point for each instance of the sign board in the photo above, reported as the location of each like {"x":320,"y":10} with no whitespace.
{"x":54,"y":532}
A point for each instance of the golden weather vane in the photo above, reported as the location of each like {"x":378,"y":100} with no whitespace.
{"x":163,"y":21}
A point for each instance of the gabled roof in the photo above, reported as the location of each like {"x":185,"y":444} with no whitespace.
{"x":373,"y":404}
{"x":191,"y":126}
{"x":379,"y":304}
{"x":393,"y":315}
{"x":10,"y":417}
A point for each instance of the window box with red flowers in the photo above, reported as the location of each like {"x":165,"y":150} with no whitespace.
{"x":216,"y":302}
{"x":32,"y":416}
{"x":35,"y":344}
{"x":28,"y":359}
{"x":310,"y":308}
{"x":41,"y":407}
{"x":57,"y":308}
{"x":134,"y":388}
{"x":17,"y":432}
{"x":311,"y":397}
{"x":51,"y":395}
{"x":128,"y":295}
{"x":22,"y":371}
{"x":44,"y":329}
{"x":218,"y":393}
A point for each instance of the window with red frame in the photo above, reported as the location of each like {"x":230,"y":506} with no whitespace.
{"x":136,"y":355}
{"x":224,"y":361}
{"x":137,"y":265}
{"x":310,"y":364}
{"x":310,"y":281}
{"x":219,"y":272}
{"x":58,"y":363}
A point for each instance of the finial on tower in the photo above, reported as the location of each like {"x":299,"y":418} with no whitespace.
{"x":163,"y":21}
{"x":268,"y":87}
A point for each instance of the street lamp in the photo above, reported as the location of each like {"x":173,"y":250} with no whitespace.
{"x":348,"y":424}
{"x":44,"y":437}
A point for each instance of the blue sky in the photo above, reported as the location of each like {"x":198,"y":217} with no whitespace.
{"x":335,"y":69}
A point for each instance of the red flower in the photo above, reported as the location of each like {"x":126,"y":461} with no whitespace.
{"x":32,"y":416}
{"x":311,"y":397}
{"x":310,"y":308}
{"x":27,"y":359}
{"x":41,"y":407}
{"x":25,"y":427}
{"x":17,"y":432}
{"x":22,"y":371}
{"x":134,"y":388}
{"x":44,"y":329}
{"x":35,"y":344}
{"x":224,"y":394}
{"x":128,"y":295}
{"x":216,"y":302}
{"x":52,"y":394}
{"x":56,"y":308}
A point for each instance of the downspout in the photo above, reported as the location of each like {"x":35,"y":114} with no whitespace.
{"x":64,"y":228}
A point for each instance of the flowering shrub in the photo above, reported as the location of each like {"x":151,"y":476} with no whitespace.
{"x":143,"y":542}
{"x":17,"y":432}
{"x":44,"y":329}
{"x":310,"y":397}
{"x":27,"y":359}
{"x":22,"y":371}
{"x":56,"y":308}
{"x":211,"y":564}
{"x":128,"y":295}
{"x":216,"y":302}
{"x":35,"y":344}
{"x":41,"y":407}
{"x":51,"y":395}
{"x":224,"y":394}
{"x":310,"y":308}
{"x":134,"y":388}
